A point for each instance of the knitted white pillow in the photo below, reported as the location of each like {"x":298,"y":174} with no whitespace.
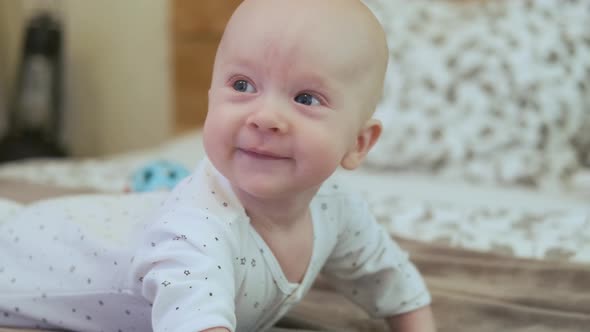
{"x":493,"y":91}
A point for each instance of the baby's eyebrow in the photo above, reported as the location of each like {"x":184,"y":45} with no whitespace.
{"x":319,"y":81}
{"x":316,"y":82}
{"x":239,"y":63}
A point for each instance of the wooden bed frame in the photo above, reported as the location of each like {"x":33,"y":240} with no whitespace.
{"x":196,"y":28}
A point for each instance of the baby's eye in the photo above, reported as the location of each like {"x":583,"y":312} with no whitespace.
{"x":307,"y":99}
{"x":243,"y":86}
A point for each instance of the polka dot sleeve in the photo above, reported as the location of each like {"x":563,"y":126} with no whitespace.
{"x":369,"y":268}
{"x":183,"y":268}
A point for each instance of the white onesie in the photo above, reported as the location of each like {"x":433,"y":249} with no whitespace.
{"x":99,"y":263}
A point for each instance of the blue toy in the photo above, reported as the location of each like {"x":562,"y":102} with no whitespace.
{"x":158,"y":175}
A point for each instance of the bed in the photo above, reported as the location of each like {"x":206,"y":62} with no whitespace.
{"x":480,"y":174}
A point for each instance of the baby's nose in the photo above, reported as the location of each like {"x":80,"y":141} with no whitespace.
{"x":267,"y":121}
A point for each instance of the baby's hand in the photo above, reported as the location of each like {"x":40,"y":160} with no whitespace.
{"x":217,"y":329}
{"x":420,"y":320}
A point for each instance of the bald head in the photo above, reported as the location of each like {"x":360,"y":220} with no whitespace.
{"x":344,"y":32}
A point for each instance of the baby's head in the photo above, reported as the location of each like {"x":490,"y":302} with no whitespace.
{"x":294,"y":86}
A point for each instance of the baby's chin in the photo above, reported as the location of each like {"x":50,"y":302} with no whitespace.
{"x":263,"y":188}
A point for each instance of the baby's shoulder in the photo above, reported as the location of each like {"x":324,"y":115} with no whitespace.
{"x":185,"y":229}
{"x":199,"y":215}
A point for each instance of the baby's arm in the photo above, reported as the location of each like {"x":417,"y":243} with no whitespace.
{"x":184,"y":269}
{"x":419,"y":320}
{"x":368,"y":267}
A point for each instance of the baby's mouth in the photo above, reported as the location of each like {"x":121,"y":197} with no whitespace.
{"x":262,"y":154}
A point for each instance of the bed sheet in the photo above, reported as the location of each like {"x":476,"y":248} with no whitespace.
{"x":509,"y":221}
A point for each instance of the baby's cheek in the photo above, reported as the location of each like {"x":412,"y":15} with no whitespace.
{"x":213,"y":142}
{"x":208,"y":140}
{"x":322,"y":157}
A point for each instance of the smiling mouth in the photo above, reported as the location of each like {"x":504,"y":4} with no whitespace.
{"x":262,"y":155}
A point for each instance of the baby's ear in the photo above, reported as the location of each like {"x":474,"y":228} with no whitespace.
{"x":365,"y":140}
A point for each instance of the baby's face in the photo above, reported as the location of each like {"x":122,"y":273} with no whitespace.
{"x":291,"y":88}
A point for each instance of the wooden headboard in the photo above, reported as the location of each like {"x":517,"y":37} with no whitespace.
{"x":196,"y":27}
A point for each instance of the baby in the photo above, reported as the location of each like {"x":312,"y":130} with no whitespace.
{"x":241,"y":240}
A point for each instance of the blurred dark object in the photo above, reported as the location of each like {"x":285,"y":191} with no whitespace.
{"x":36,"y":107}
{"x":29,"y":145}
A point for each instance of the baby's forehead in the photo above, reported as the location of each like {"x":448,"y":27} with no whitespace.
{"x":345,"y":21}
{"x":287,"y":60}
{"x":299,"y":41}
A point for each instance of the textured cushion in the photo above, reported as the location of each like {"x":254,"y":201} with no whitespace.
{"x":495,"y":91}
{"x":23,"y":192}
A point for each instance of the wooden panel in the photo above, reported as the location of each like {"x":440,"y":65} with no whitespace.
{"x":197,"y":27}
{"x":192,"y":80}
{"x":202,"y":17}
